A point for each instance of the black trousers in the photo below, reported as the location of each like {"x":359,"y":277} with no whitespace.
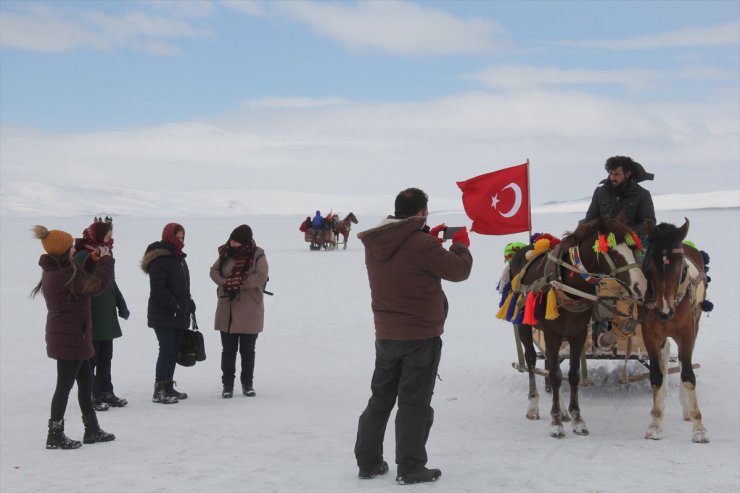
{"x":406,"y":370}
{"x":100,"y":364}
{"x":169,"y":344}
{"x":69,"y":372}
{"x":230,"y":344}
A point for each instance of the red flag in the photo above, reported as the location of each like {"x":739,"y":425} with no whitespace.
{"x":498,"y":202}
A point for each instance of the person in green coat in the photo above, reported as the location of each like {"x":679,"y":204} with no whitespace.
{"x":105,"y":309}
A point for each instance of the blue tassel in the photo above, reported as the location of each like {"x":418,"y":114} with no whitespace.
{"x":707,"y":306}
{"x":519,"y":318}
{"x":512,"y":307}
{"x":507,"y":288}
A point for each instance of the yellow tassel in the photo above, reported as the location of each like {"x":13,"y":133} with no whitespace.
{"x":501,"y":314}
{"x":551,"y":311}
{"x":516,"y":281}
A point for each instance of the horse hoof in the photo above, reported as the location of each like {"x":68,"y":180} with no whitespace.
{"x":654,"y":434}
{"x":557,"y":432}
{"x":580,"y":429}
{"x":534,"y":416}
{"x":700,"y":437}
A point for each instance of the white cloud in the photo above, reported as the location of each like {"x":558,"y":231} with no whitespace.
{"x":727,"y":34}
{"x":274,"y":149}
{"x":254,"y":8}
{"x":400,"y":28}
{"x":47,"y":30}
{"x":529,"y":76}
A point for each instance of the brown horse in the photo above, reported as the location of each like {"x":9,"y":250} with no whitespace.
{"x":572,"y":270}
{"x":677,"y":290}
{"x":343,"y":227}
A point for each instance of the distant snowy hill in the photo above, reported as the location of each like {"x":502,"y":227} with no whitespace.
{"x":35,"y":199}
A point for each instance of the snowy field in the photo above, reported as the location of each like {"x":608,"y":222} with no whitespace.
{"x":312,"y":375}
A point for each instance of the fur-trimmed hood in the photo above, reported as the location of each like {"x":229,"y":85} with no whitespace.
{"x":154,"y":251}
{"x":383,"y":240}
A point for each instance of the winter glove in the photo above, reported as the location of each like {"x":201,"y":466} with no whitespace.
{"x":461,"y":237}
{"x":436,"y":230}
{"x":191,"y":305}
{"x":124,"y":313}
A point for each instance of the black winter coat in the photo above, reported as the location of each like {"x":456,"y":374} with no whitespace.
{"x":170,"y":304}
{"x":636,"y":203}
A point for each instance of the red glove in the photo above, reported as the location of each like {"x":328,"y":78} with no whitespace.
{"x":461,"y":237}
{"x":435,"y":232}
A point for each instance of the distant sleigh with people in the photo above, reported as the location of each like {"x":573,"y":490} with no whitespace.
{"x":328,"y":236}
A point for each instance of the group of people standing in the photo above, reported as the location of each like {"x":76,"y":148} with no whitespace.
{"x":84,"y":302}
{"x":405,"y":265}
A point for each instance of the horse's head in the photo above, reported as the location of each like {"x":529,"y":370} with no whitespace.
{"x":351,"y":217}
{"x":609,"y":249}
{"x":664,"y":266}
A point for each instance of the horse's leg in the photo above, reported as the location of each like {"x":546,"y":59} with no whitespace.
{"x":552,"y":347}
{"x":687,"y":392}
{"x":577,"y":346}
{"x":345,"y":235}
{"x":530,"y":357}
{"x":659,"y":382}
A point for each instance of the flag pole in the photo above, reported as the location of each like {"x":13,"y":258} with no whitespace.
{"x":529,"y":202}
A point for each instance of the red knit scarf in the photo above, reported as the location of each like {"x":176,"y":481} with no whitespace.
{"x":243,"y":259}
{"x":91,"y":240}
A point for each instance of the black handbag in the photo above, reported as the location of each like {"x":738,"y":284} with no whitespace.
{"x":192,"y":347}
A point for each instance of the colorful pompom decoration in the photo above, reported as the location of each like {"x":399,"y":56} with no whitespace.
{"x":707,"y":306}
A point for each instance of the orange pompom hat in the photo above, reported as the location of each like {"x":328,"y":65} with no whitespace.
{"x":55,"y":242}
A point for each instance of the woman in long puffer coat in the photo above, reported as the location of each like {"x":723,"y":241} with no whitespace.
{"x":240,"y":272}
{"x":67,"y":287}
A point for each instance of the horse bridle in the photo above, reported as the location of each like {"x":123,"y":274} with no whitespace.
{"x":682,"y":284}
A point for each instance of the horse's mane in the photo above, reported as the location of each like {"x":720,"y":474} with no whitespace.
{"x":594,"y":227}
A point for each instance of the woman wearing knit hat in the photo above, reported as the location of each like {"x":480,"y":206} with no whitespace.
{"x":67,"y":287}
{"x":106,"y":308}
{"x":170,"y":306}
{"x":240,"y":272}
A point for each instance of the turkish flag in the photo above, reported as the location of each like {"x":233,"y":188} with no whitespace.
{"x":498,"y":202}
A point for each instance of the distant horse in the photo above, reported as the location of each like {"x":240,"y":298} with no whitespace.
{"x":343,"y":227}
{"x":677,"y":290}
{"x":597,"y":249}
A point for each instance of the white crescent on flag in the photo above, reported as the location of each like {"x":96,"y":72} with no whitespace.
{"x":517,"y":200}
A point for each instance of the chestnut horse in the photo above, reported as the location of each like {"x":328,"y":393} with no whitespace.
{"x":578,"y":263}
{"x":676,"y":296}
{"x":343,"y":227}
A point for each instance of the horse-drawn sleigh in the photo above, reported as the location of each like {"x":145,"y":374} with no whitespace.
{"x":555,"y":288}
{"x":327,"y":238}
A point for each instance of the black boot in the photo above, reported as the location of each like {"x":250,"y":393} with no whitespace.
{"x":420,"y":475}
{"x":111,"y":399}
{"x":160,"y":395}
{"x":93,"y":433}
{"x":170,"y":390}
{"x":248,"y":390}
{"x":57,"y":439}
{"x":98,"y":404}
{"x":228,"y":392}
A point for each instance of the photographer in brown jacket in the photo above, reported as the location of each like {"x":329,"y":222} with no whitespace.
{"x":405,"y":266}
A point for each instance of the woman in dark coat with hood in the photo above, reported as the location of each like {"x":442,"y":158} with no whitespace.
{"x":170,"y":306}
{"x":67,"y":287}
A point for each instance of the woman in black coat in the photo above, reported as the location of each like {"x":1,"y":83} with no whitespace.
{"x":170,"y":306}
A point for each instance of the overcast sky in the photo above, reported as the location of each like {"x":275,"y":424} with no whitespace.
{"x":254,"y":104}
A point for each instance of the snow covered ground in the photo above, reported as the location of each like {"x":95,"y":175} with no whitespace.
{"x":314,"y":362}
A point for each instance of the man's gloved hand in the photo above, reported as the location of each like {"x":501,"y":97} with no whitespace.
{"x":436,"y":230}
{"x":461,"y":237}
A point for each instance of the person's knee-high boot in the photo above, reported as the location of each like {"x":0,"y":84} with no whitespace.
{"x":57,"y":439}
{"x":93,"y":433}
{"x":160,"y":394}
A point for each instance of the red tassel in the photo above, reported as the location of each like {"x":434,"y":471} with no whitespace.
{"x":529,"y":306}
